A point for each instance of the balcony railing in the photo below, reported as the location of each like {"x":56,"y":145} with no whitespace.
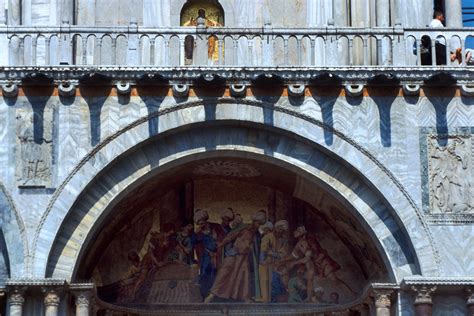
{"x":199,"y":46}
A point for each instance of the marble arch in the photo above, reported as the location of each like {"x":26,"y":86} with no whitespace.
{"x":389,"y":199}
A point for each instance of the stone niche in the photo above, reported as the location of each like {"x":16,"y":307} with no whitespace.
{"x":34,"y":147}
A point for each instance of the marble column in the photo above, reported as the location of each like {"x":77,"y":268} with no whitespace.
{"x":423,"y":302}
{"x":470,"y":302}
{"x":83,"y":303}
{"x":16,"y":299}
{"x":51,"y":302}
{"x":453,"y":13}
{"x":382,"y":302}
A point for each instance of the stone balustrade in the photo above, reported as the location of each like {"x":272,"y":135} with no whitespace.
{"x":200,"y":46}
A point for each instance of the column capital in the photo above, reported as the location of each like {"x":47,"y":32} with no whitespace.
{"x":382,"y":297}
{"x":83,"y":298}
{"x":470,"y":296}
{"x":423,"y":294}
{"x":51,"y":297}
{"x":16,"y":296}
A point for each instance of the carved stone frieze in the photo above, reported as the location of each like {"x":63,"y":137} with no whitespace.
{"x":34,"y":153}
{"x":451,"y":184}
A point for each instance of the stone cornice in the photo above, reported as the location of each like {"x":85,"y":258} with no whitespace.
{"x":462,"y":281}
{"x":370,"y":75}
{"x":35,"y":282}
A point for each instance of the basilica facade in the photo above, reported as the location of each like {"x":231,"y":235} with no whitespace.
{"x":229,"y":157}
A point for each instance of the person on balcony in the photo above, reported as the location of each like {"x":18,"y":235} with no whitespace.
{"x":440,"y":44}
{"x":468,"y":56}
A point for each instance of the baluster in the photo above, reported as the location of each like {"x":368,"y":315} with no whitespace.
{"x":286,"y":52}
{"x":298,"y":51}
{"x":34,"y":43}
{"x":220,"y":45}
{"x":351,"y":51}
{"x":22,"y":51}
{"x":313,"y":52}
{"x":182,"y":53}
{"x":250,"y":51}
{"x":167,"y":51}
{"x":433,"y":51}
{"x":418,"y":51}
{"x":99,"y":51}
{"x":47,"y":49}
{"x":84,"y":51}
{"x":380,"y":52}
{"x":365,"y":41}
{"x":114,"y":51}
{"x":463,"y":51}
{"x":152,"y":51}
{"x":236,"y":51}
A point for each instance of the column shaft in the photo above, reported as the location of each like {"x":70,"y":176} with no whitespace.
{"x":453,"y":13}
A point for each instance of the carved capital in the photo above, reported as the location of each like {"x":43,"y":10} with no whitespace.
{"x":51,"y":297}
{"x":83,"y":298}
{"x":423,"y":294}
{"x":470,"y":296}
{"x":382,"y":298}
{"x":16,"y":297}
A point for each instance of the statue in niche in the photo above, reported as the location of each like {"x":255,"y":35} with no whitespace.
{"x":34,"y":154}
{"x":450,"y":176}
{"x":202,"y":14}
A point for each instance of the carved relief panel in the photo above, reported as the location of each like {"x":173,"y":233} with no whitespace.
{"x":34,"y":147}
{"x":450,"y":174}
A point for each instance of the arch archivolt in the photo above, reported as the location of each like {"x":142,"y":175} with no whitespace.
{"x":130,"y":156}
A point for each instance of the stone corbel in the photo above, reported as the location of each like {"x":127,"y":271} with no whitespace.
{"x":354,"y":90}
{"x":467,"y":90}
{"x":238,"y":90}
{"x":10,"y":90}
{"x":181,"y":90}
{"x":296,"y":90}
{"x":423,"y":301}
{"x":67,"y":89}
{"x":411,"y":89}
{"x":123,"y":88}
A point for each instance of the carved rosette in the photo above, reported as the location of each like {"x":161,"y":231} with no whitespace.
{"x":51,"y":298}
{"x":16,"y":298}
{"x":423,"y":294}
{"x":382,"y":298}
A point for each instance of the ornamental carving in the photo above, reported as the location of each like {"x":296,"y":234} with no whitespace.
{"x":34,"y":130}
{"x":451,"y":184}
{"x":228,"y":169}
{"x":51,"y":298}
{"x":16,"y":298}
{"x":382,"y":298}
{"x":83,"y":299}
{"x":423,"y":294}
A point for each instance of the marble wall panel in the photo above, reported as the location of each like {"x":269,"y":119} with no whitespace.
{"x":455,"y":248}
